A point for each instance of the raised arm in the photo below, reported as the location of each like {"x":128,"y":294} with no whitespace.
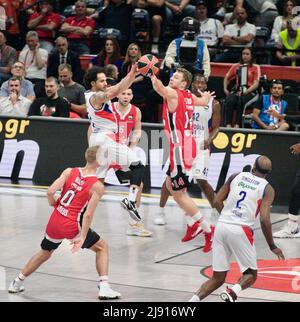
{"x":204,"y":99}
{"x":265,"y":221}
{"x":57,"y":185}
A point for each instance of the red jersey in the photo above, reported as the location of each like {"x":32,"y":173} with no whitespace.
{"x":64,"y":221}
{"x":125,"y":123}
{"x":84,"y":22}
{"x":46,"y":20}
{"x":179,"y":129}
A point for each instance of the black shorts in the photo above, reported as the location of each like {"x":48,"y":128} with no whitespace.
{"x":124,"y":176}
{"x":180,"y":180}
{"x":91,"y":239}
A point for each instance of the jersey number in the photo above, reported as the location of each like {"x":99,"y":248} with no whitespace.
{"x":243,"y":196}
{"x":196,"y":117}
{"x":67,"y":198}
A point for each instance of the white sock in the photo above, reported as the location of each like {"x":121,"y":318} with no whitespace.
{"x":133,"y":191}
{"x":195,"y":298}
{"x":189,"y":220}
{"x":236,"y":289}
{"x":203,"y":223}
{"x":20,"y":278}
{"x":103,"y":280}
{"x":293,"y":219}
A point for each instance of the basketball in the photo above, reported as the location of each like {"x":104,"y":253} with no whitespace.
{"x":148,"y":65}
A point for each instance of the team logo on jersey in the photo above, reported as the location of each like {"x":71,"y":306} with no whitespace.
{"x":272,"y":275}
{"x":130,"y":118}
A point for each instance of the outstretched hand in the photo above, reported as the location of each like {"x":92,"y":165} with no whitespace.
{"x":207,"y":95}
{"x":134,"y":70}
{"x":295,"y":149}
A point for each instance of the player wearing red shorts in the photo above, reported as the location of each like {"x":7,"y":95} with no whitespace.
{"x":71,"y":219}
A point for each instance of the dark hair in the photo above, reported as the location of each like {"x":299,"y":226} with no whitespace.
{"x":276,"y":82}
{"x":252,"y":61}
{"x":200,"y":76}
{"x":13,"y":79}
{"x":91,"y":76}
{"x":285,"y":5}
{"x":115,"y":56}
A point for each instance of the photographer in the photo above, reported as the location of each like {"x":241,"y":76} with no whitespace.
{"x":189,"y":51}
{"x":242,"y":94}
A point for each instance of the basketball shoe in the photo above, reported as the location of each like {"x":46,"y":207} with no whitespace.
{"x":160,"y":219}
{"x":228,"y":295}
{"x":208,"y":240}
{"x":16,"y":287}
{"x":192,"y":232}
{"x":107,"y":293}
{"x":131,"y":208}
{"x":138,"y":230}
{"x":290,"y":230}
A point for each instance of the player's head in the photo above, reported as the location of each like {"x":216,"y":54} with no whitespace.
{"x":125,"y":97}
{"x":95,"y":79}
{"x":262,"y":166}
{"x":91,"y":155}
{"x":199,"y":83}
{"x":51,"y":87}
{"x":181,"y":79}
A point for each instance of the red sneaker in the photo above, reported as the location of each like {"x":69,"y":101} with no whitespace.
{"x":192,"y":232}
{"x":228,"y":295}
{"x":208,"y":240}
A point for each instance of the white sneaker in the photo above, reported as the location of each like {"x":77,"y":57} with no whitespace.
{"x":16,"y":287}
{"x":138,"y":230}
{"x":160,"y":219}
{"x":106,"y":293}
{"x":154,"y":49}
{"x":290,"y":230}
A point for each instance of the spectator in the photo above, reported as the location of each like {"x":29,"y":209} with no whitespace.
{"x":7,"y":59}
{"x":172,"y":55}
{"x":35,"y":60}
{"x":51,"y":104}
{"x":71,"y":91}
{"x":156,"y":10}
{"x":280,"y":22}
{"x":260,"y":116}
{"x":141,"y":84}
{"x":45,"y":23}
{"x":62,"y":55}
{"x":112,"y":74}
{"x":289,"y":39}
{"x":12,"y":26}
{"x":79,"y":29}
{"x":18,"y":70}
{"x":240,"y":34}
{"x":265,"y":11}
{"x":241,"y":97}
{"x":15,"y":104}
{"x":110,"y":54}
{"x":211,"y":30}
{"x":176,"y":10}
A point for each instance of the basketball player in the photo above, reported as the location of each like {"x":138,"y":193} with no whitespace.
{"x":104,"y":128}
{"x":71,"y":219}
{"x":206,"y":127}
{"x":129,"y":121}
{"x":177,"y":114}
{"x":246,"y":194}
{"x":292,"y":228}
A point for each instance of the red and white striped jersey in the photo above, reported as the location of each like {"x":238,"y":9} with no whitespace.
{"x":75,"y":194}
{"x":102,"y":120}
{"x":179,"y":129}
{"x":243,"y":203}
{"x":125,"y":122}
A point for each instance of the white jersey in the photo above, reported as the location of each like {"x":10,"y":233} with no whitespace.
{"x":103,"y":120}
{"x":202,"y":122}
{"x":243,"y":203}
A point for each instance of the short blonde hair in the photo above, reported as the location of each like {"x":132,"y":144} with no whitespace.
{"x":91,"y":154}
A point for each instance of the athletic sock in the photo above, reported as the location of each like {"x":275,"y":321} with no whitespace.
{"x":195,"y":298}
{"x":20,"y":278}
{"x":203,"y":223}
{"x":189,"y":220}
{"x":103,"y":281}
{"x":133,"y":191}
{"x":294,"y":219}
{"x":236,"y":289}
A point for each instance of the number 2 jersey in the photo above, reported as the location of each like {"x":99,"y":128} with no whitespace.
{"x":179,"y":130}
{"x":70,"y":207}
{"x":243,"y":203}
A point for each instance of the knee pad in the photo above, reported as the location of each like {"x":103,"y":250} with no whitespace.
{"x":138,"y":170}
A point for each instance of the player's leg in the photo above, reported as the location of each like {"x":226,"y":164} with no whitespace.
{"x":164,"y":196}
{"x":100,"y":247}
{"x":47,"y":248}
{"x":291,"y":229}
{"x":195,"y":220}
{"x":139,"y":196}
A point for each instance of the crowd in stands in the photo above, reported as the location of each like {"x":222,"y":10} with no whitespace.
{"x":41,"y":43}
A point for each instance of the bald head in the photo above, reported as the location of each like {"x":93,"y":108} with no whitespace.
{"x":262,"y":165}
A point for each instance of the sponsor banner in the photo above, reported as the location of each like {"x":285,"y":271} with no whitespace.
{"x":39,"y":149}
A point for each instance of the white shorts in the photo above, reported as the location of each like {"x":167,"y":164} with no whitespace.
{"x":233,"y":240}
{"x":111,"y":152}
{"x":201,"y":165}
